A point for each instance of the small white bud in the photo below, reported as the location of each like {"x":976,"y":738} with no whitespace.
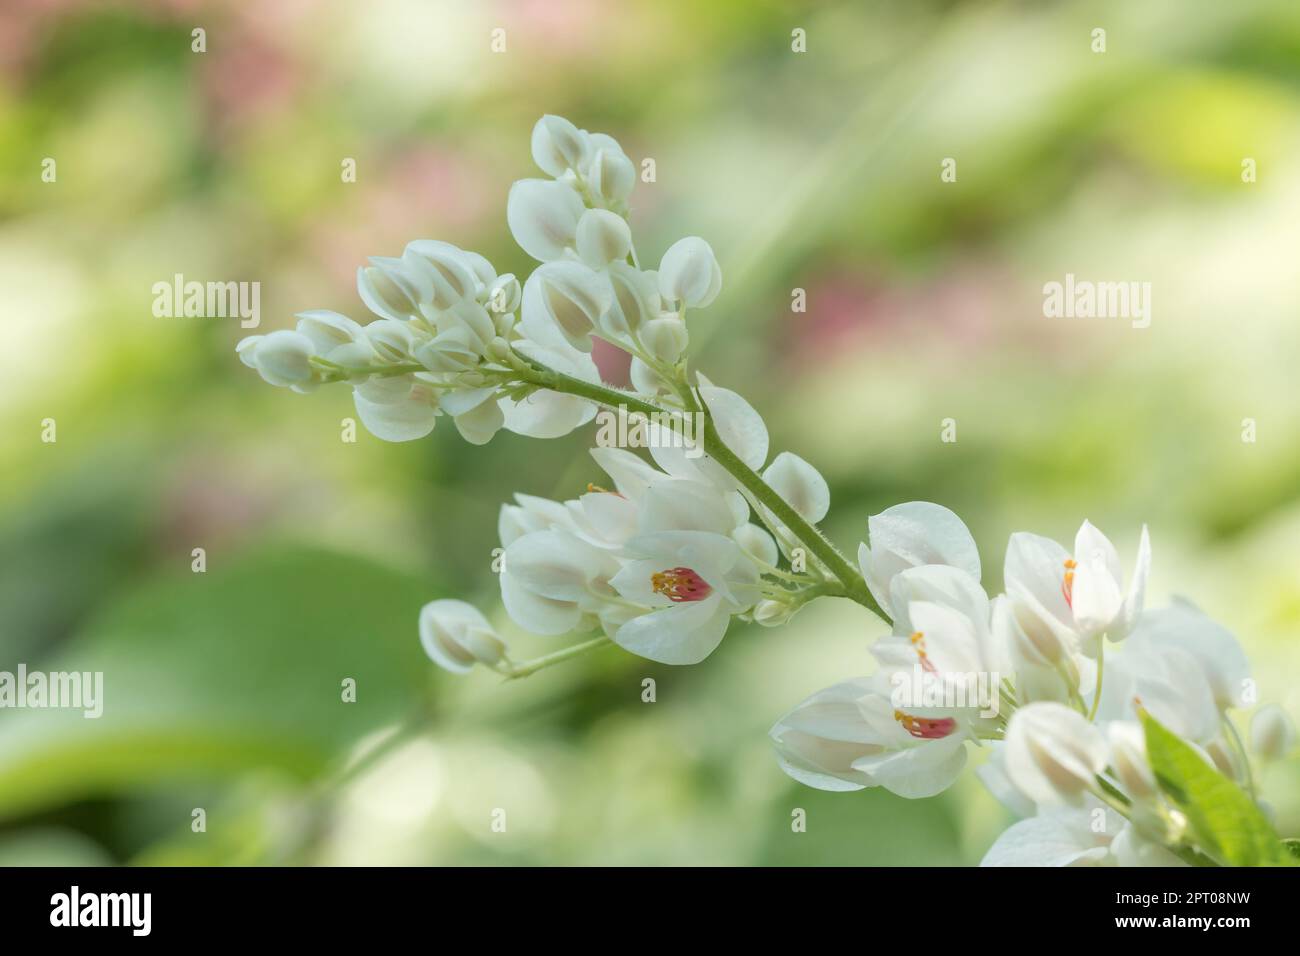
{"x":665,"y":338}
{"x":284,"y":358}
{"x":602,"y":238}
{"x":771,"y":613}
{"x":611,"y":175}
{"x":457,"y":636}
{"x":390,"y":291}
{"x":689,"y":273}
{"x":558,"y":145}
{"x":503,"y":294}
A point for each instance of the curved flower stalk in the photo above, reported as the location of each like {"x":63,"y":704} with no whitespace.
{"x":1097,"y":751}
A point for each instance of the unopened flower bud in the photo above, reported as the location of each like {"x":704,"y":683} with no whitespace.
{"x":503,"y":295}
{"x":1053,"y":754}
{"x":558,"y":145}
{"x":284,"y":358}
{"x":665,"y":338}
{"x":390,"y":291}
{"x":457,"y":636}
{"x":602,"y":237}
{"x":689,"y":273}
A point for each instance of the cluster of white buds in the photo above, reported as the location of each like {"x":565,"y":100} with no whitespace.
{"x":661,"y":562}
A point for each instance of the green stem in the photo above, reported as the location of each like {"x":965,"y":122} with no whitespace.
{"x":855,"y":587}
{"x":1096,"y":694}
{"x":514,"y":671}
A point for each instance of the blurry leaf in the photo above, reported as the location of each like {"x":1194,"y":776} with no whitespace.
{"x":1225,"y":821}
{"x":236,"y":668}
{"x":51,"y":847}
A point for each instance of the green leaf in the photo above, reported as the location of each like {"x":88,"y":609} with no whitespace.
{"x":1224,"y":820}
{"x":238,"y":668}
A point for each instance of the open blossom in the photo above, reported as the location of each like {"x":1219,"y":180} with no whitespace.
{"x":657,"y":562}
{"x":1081,"y":592}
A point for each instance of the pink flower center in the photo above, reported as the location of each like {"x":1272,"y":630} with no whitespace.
{"x":1067,"y":584}
{"x":680,"y":584}
{"x":926,"y":728}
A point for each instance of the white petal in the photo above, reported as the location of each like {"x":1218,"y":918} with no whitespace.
{"x":912,"y":534}
{"x":1062,"y":838}
{"x":800,"y":484}
{"x":602,"y":237}
{"x":685,"y":633}
{"x":739,"y":426}
{"x":543,"y":217}
{"x":689,"y":273}
{"x":406,"y":420}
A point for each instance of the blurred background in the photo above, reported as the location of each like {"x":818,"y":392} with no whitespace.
{"x":817,"y":171}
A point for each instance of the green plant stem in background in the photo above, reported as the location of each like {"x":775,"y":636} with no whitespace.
{"x":816,"y":542}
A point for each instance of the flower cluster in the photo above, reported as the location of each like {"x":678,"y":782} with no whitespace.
{"x":661,"y":560}
{"x":1060,"y":716}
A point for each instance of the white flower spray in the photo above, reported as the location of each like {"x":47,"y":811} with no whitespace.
{"x":661,"y":562}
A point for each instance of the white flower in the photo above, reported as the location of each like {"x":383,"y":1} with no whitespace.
{"x":457,"y":636}
{"x":530,"y":514}
{"x":1060,"y":836}
{"x":1077,"y":836}
{"x":390,"y":290}
{"x":446,"y":274}
{"x":689,"y":273}
{"x":634,"y":303}
{"x":552,"y":578}
{"x":1222,"y":661}
{"x":568,"y":297}
{"x":543,"y":217}
{"x":818,"y":741}
{"x":909,"y":535}
{"x":1039,"y":653}
{"x":1053,"y":754}
{"x":693,"y":582}
{"x":850,"y":736}
{"x":558,"y":146}
{"x":602,"y":237}
{"x":610,"y":175}
{"x":397,"y":409}
{"x":1082,"y":592}
{"x":1163,"y":678}
{"x":1272,"y":734}
{"x":282,"y":357}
